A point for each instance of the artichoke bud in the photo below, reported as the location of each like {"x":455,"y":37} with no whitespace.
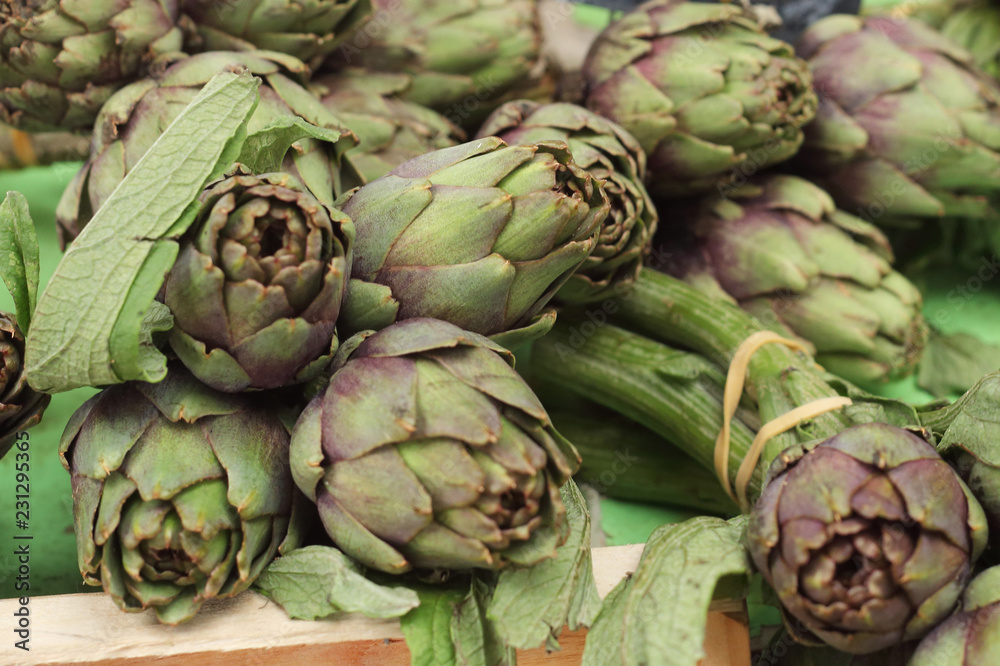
{"x":180,"y":494}
{"x":427,"y":450}
{"x":258,"y":283}
{"x":706,"y":92}
{"x":21,"y":406}
{"x":60,"y":60}
{"x":390,"y":129}
{"x":779,"y":248}
{"x":480,"y":235}
{"x":868,"y":538}
{"x":310,"y":30}
{"x":610,"y":154}
{"x":969,"y":637}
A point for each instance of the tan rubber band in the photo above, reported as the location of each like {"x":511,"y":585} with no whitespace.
{"x":775,"y":427}
{"x":732,"y":393}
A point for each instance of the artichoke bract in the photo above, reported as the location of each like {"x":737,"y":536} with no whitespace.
{"x":868,"y":537}
{"x":60,"y":60}
{"x":480,"y":235}
{"x":258,"y":284}
{"x":390,"y":130}
{"x":708,"y":94}
{"x":427,"y":450}
{"x":307,"y":29}
{"x":610,"y":154}
{"x":180,"y":494}
{"x":136,"y":116}
{"x":972,"y":635}
{"x":462,"y":55}
{"x":20,"y":405}
{"x":973,"y":24}
{"x":780,"y":249}
{"x":914,"y":134}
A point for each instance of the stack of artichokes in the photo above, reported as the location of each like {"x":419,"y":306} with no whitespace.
{"x":324,"y":323}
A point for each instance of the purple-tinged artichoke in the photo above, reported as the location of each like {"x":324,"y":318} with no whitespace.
{"x":868,"y":538}
{"x":258,"y":284}
{"x":390,"y":130}
{"x":480,"y":235}
{"x":463,"y":56}
{"x":780,"y":249}
{"x":21,"y":406}
{"x":136,"y":116}
{"x":708,"y":94}
{"x":610,"y":154}
{"x":970,"y":637}
{"x":912,"y":133}
{"x":307,"y":29}
{"x":60,"y":60}
{"x":180,"y":494}
{"x":427,"y":450}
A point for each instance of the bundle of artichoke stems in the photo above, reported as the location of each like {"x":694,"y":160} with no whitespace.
{"x":866,"y":534}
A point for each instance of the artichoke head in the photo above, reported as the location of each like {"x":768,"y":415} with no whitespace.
{"x":427,"y":450}
{"x":610,"y":154}
{"x":180,"y":494}
{"x":868,"y":538}
{"x":707,"y":93}
{"x":779,"y":248}
{"x":21,"y":406}
{"x":480,"y":235}
{"x":258,"y":284}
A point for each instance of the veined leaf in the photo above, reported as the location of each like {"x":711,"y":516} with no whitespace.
{"x":19,"y":256}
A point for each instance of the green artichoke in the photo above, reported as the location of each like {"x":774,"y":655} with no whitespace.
{"x":780,"y":249}
{"x":970,"y":637}
{"x":481,"y":235}
{"x":462,"y":55}
{"x":390,"y":129}
{"x":180,"y":494}
{"x":20,"y":406}
{"x":913,"y":133}
{"x":138,"y":114}
{"x":308,"y":29}
{"x":60,"y":60}
{"x":868,"y":538}
{"x":973,"y":24}
{"x":709,"y":95}
{"x":610,"y":154}
{"x":426,"y":450}
{"x":257,"y":286}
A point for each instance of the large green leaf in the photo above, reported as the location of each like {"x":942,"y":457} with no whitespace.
{"x":89,"y":325}
{"x":659,"y":615}
{"x":19,"y":256}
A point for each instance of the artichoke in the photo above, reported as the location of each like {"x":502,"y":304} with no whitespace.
{"x":426,"y":450}
{"x":480,"y":235}
{"x":180,"y":494}
{"x":307,"y":29}
{"x":974,"y":24}
{"x":60,"y":60}
{"x":258,"y":283}
{"x":971,"y":636}
{"x":463,"y":55}
{"x":20,"y":406}
{"x":708,"y":94}
{"x":868,"y":537}
{"x":610,"y":154}
{"x":138,"y":114}
{"x":390,"y":129}
{"x":912,"y":134}
{"x":780,"y":249}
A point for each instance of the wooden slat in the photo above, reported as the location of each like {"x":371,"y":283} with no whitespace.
{"x":89,"y":629}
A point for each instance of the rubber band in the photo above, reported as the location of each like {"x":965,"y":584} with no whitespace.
{"x":735,"y":381}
